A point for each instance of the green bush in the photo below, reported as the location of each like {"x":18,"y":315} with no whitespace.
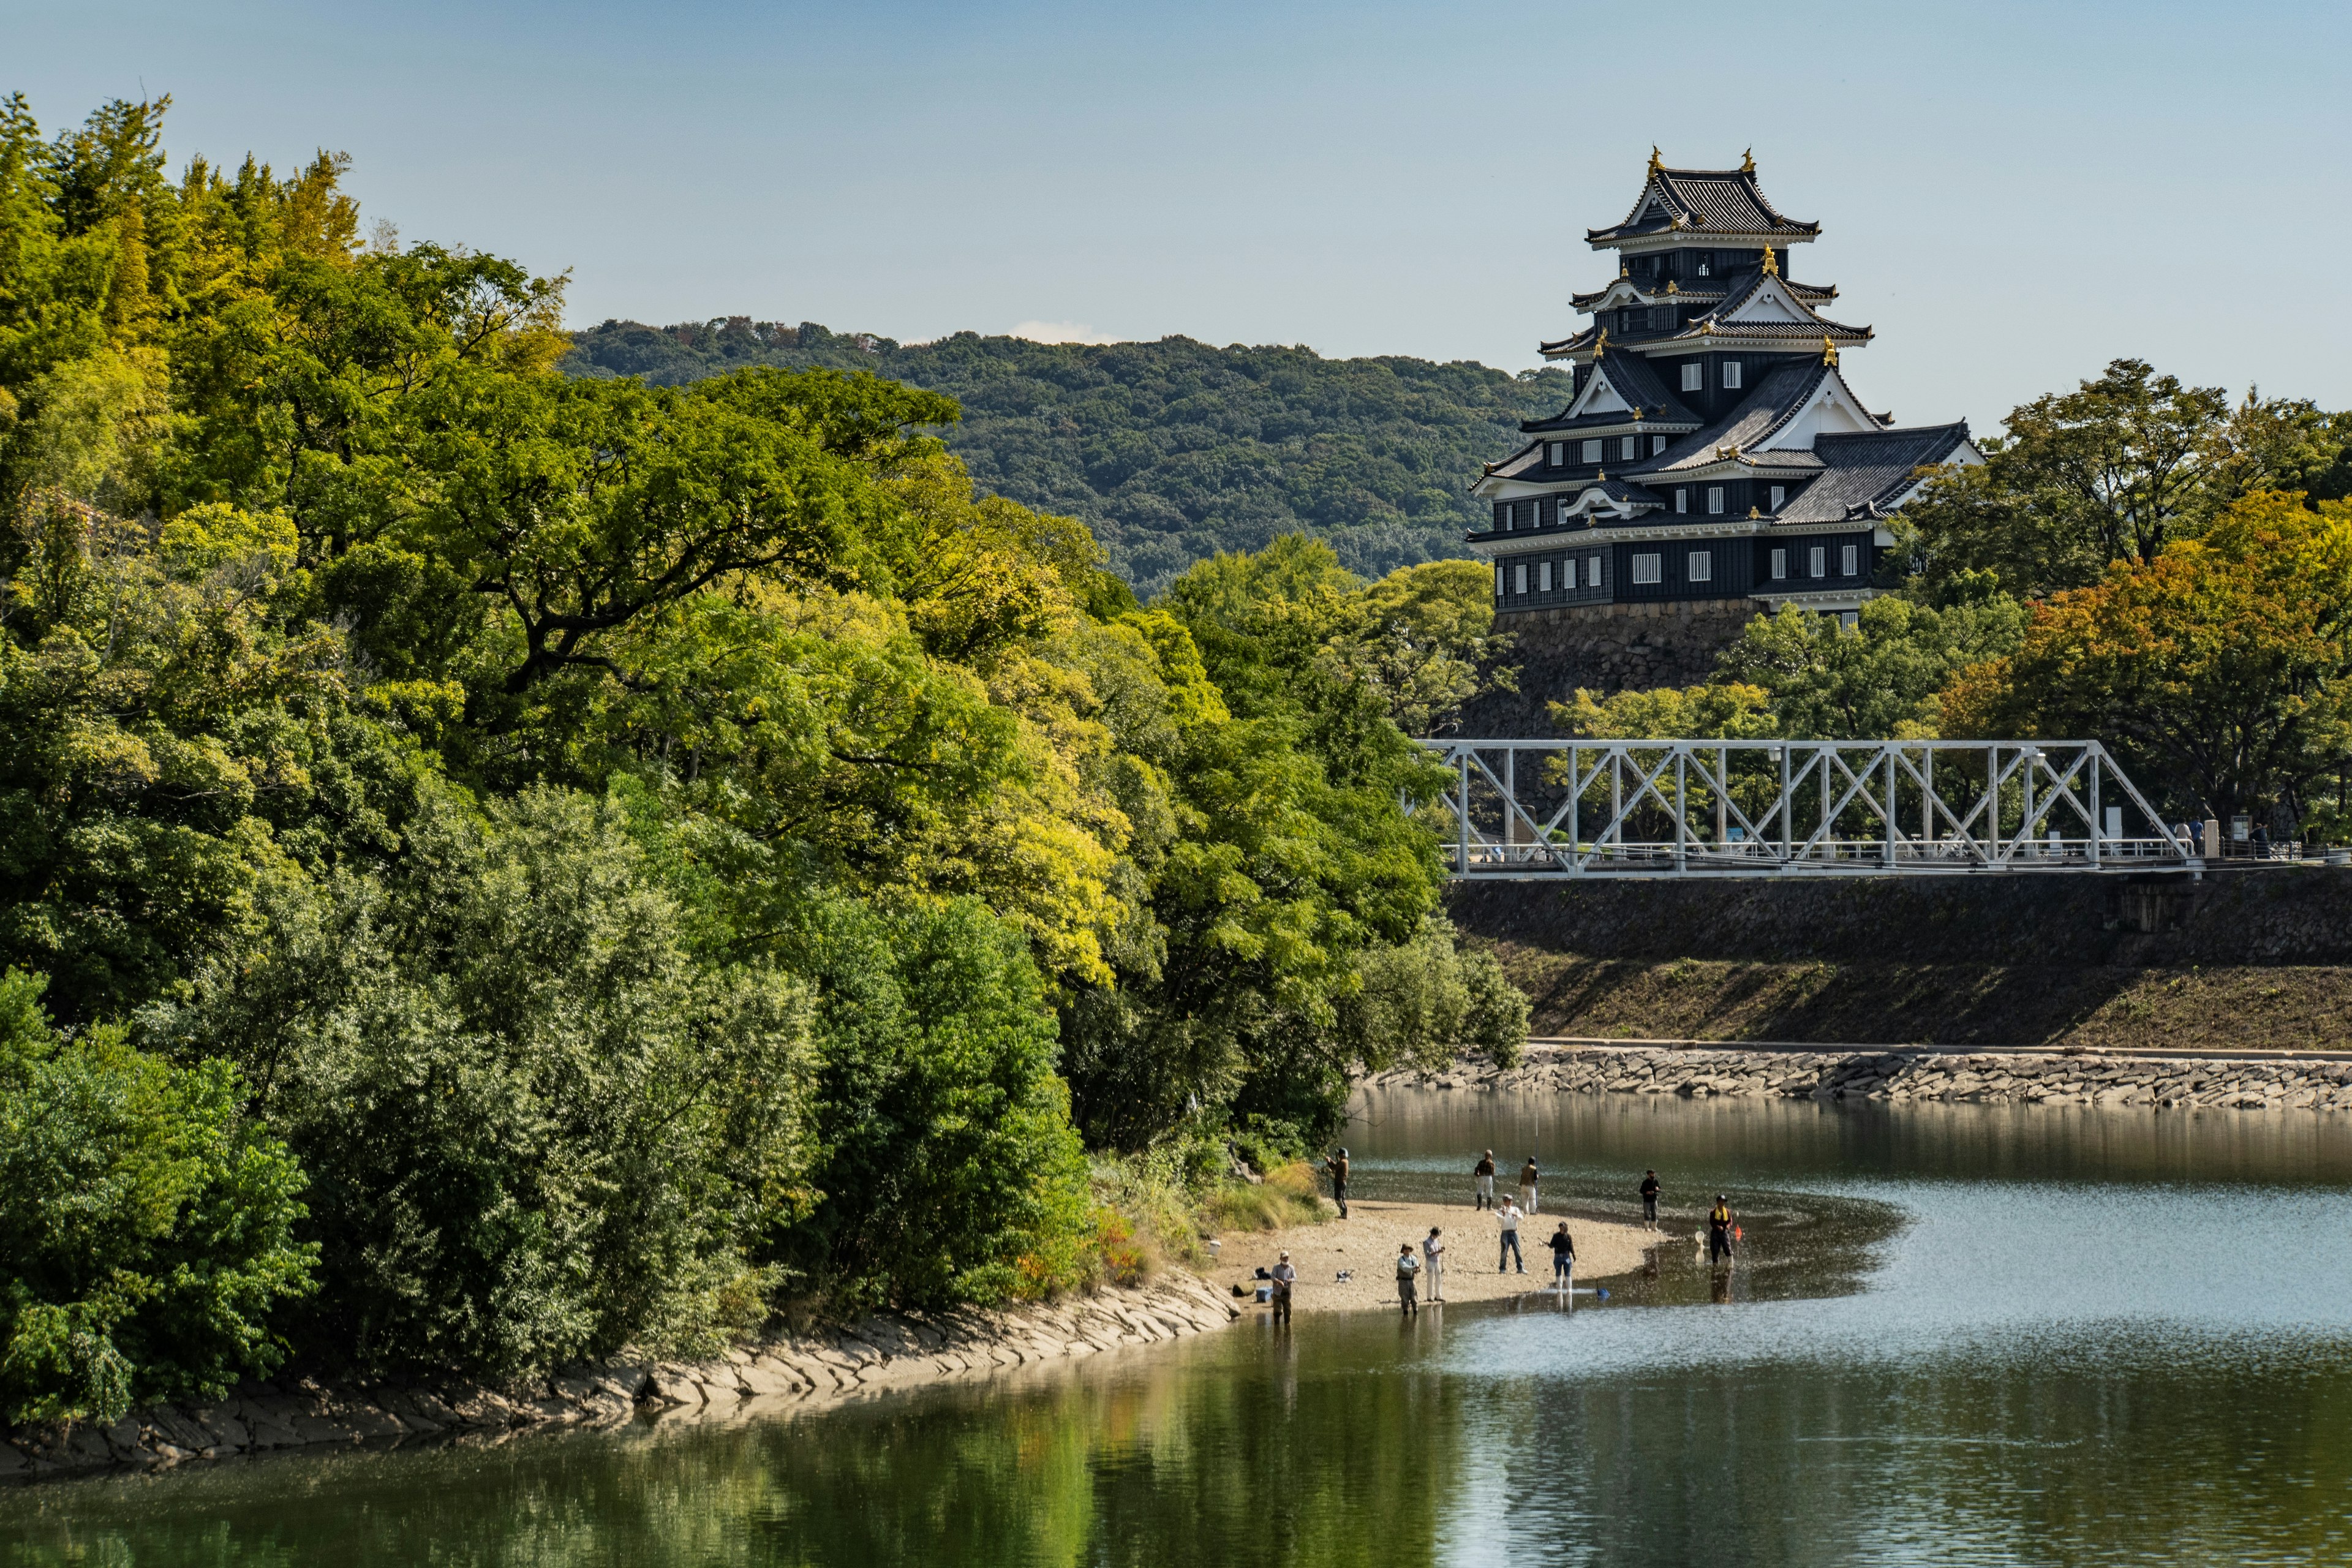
{"x":146,"y":1227}
{"x":539,"y":1129}
{"x":948,"y":1163}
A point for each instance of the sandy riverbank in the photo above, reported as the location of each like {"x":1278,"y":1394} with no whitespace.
{"x":1366,"y":1243}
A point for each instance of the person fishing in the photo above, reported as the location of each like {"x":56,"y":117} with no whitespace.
{"x":1528,"y":1176}
{"x":1563,"y":1259}
{"x":1285,"y":1278}
{"x":1433,"y":1254}
{"x":1718,"y":1230}
{"x":1482,"y":1176}
{"x":1507,"y":1216}
{"x":1337,"y":1165}
{"x":1650,"y":1199}
{"x":1408,"y":1266}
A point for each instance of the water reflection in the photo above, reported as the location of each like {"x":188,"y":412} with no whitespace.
{"x":1958,"y":1334}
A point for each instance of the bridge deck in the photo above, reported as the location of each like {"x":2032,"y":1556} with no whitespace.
{"x":1702,"y":808}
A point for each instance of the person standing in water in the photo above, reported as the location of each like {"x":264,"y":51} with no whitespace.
{"x":1337,"y":1165}
{"x":1563,"y":1259}
{"x":1285,"y":1278}
{"x":1482,"y":1176}
{"x":1718,"y":1230}
{"x":1507,"y":1216}
{"x":1528,"y":1176}
{"x":1432,"y":1253}
{"x":1650,"y":1199}
{"x":1407,"y":1267}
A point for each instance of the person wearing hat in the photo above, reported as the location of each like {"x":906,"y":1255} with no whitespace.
{"x":1482,"y":1175}
{"x":1718,"y":1230}
{"x":1283,"y":1277}
{"x":1337,"y":1165}
{"x":1432,"y":1255}
{"x":1408,"y":1267}
{"x":1650,"y":1199}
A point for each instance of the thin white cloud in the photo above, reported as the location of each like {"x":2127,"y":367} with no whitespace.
{"x":1063,"y":333}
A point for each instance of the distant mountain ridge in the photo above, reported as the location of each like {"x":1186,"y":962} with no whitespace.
{"x":1169,"y":450}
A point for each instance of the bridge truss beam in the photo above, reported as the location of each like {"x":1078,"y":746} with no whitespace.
{"x":1525,"y":809}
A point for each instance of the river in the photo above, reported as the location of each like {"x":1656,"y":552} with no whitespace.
{"x":1956,"y":1334}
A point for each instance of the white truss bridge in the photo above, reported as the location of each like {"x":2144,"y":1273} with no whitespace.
{"x":1668,"y":808}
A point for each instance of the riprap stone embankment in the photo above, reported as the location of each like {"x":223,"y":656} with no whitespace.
{"x":893,"y":1350}
{"x":1989,"y":1077}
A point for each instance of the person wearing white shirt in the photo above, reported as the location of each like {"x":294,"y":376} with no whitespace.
{"x":1432,"y":1252}
{"x":1507,"y":1216}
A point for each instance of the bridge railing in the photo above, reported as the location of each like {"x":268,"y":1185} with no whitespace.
{"x":1523,"y":808}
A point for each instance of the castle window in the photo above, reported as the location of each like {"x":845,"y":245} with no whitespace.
{"x":1592,"y":571}
{"x":1543,"y":577}
{"x":1819,"y":560}
{"x":1731,"y":374}
{"x":1702,"y":567}
{"x":1498,"y":579}
{"x":1646,"y":568}
{"x":1592,"y":451}
{"x":1780,"y":566}
{"x":1715,"y":500}
{"x":1657,"y":444}
{"x":1850,"y":561}
{"x":1706,"y":264}
{"x":1519,"y":579}
{"x":1510,"y":515}
{"x":1633,"y":447}
{"x":1693,"y":375}
{"x":1682,"y":500}
{"x":1780,"y":497}
{"x":1557,"y":456}
{"x":1502,"y":514}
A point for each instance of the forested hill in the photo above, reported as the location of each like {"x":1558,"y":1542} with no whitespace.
{"x":1174,"y":450}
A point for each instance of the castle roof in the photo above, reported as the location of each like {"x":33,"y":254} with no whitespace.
{"x":1865,"y":475}
{"x":1636,"y":385}
{"x":1726,"y":202}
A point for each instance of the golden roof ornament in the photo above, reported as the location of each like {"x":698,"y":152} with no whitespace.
{"x":1828,"y":351}
{"x":1771,"y":267}
{"x":1671,"y":289}
{"x":1601,"y":345}
{"x":1655,"y":166}
{"x":1637,"y":417}
{"x":1747,"y":162}
{"x":1707,"y":328}
{"x":1753,"y":514}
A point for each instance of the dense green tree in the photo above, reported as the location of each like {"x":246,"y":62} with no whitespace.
{"x":146,"y":1224}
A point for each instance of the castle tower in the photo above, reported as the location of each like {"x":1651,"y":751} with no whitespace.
{"x":1713,"y":449}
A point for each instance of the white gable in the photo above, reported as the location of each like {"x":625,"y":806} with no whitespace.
{"x":1599,"y":398}
{"x":1771,"y":302}
{"x":1832,"y":410}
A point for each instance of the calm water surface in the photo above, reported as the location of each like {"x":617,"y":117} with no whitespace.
{"x":1958,"y":1334}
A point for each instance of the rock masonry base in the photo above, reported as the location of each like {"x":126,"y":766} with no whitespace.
{"x":2006,"y":1077}
{"x":894,"y":1351}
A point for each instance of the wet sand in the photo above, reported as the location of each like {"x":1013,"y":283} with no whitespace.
{"x":1366,"y":1243}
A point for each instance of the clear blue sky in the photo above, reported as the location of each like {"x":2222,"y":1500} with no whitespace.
{"x":2012,"y":193}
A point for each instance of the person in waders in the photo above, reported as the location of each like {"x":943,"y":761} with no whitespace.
{"x":1529,"y":1176}
{"x":1285,"y":1278}
{"x":1563,"y":1259}
{"x":1408,"y":1267}
{"x":1337,"y":1165}
{"x":1433,"y":1262}
{"x":1718,"y":1230}
{"x":1483,"y":1178}
{"x":1650,"y":1199}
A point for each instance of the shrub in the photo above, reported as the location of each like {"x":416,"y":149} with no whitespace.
{"x":146,"y":1228}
